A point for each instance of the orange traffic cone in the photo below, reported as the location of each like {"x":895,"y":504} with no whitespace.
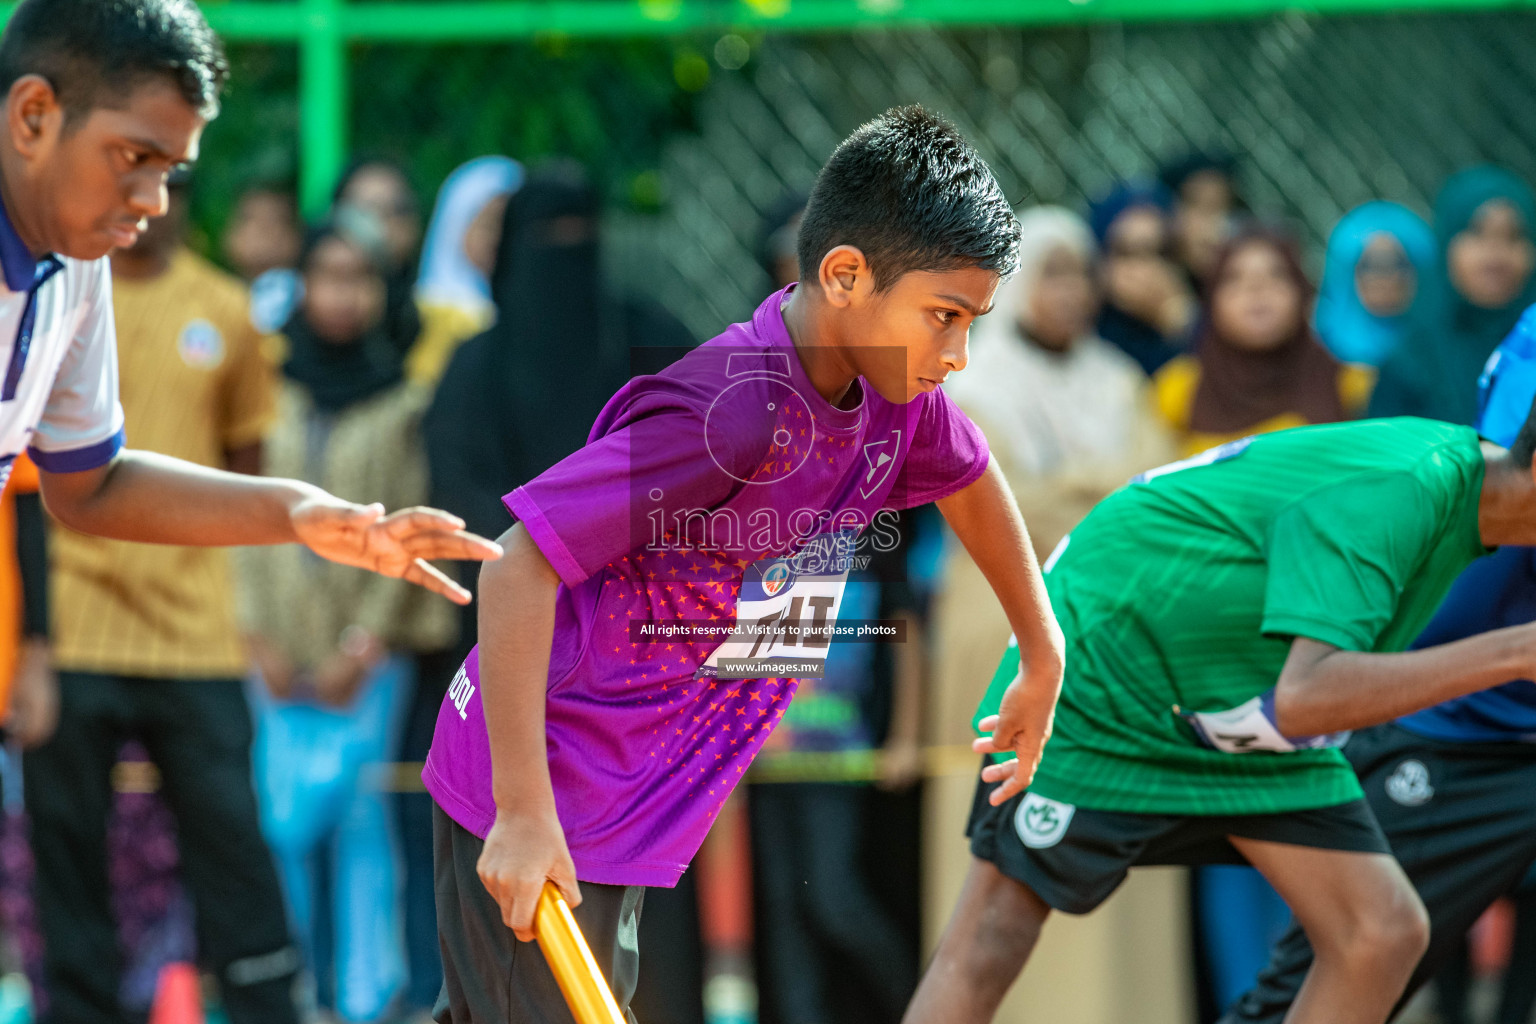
{"x":178,"y":996}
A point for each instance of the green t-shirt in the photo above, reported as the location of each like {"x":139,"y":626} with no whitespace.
{"x":1187,"y":586}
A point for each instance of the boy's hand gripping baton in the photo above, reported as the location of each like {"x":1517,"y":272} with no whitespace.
{"x":569,"y":957}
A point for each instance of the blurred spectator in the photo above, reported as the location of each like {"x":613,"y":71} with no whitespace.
{"x":1484,"y":218}
{"x":382,"y":189}
{"x":1205,"y":203}
{"x":263,"y":230}
{"x":1380,"y":262}
{"x":1069,"y":418}
{"x":1147,"y":303}
{"x":495,"y":423}
{"x":147,"y":646}
{"x":453,"y":289}
{"x":1257,"y":365}
{"x":330,"y":643}
{"x":261,"y":242}
{"x":776,"y":240}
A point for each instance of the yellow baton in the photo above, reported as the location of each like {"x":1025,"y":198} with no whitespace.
{"x":570,"y":959}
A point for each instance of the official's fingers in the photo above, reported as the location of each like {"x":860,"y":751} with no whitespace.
{"x":987,"y":724}
{"x":417,"y":520}
{"x":362,"y":515}
{"x":425,"y":574}
{"x":457,"y":545}
{"x":984,"y":745}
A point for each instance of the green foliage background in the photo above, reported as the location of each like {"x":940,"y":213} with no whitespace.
{"x":611,"y":105}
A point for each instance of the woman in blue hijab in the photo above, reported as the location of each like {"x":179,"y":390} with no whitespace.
{"x":1485,"y":218}
{"x":1381,"y":259}
{"x":1147,"y":307}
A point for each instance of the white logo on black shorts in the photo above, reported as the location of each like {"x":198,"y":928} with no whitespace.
{"x":1409,"y":784}
{"x":1041,"y":822}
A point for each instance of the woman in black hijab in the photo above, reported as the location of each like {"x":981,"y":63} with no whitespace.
{"x":339,"y":351}
{"x":524,"y":394}
{"x":381,"y":188}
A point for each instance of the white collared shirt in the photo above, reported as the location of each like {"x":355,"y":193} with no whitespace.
{"x":58,"y":398}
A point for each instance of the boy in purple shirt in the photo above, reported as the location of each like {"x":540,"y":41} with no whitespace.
{"x":664,"y":586}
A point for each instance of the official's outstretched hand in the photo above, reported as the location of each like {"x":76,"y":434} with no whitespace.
{"x":399,"y":544}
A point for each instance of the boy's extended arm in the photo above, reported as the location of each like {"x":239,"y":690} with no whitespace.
{"x":986,"y":519}
{"x":517,"y":626}
{"x":1325,"y":689}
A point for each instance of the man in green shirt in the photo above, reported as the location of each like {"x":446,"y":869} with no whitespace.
{"x":1225,"y":617}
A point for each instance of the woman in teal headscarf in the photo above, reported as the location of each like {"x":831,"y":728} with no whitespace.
{"x":1484,"y":221}
{"x":1381,"y":259}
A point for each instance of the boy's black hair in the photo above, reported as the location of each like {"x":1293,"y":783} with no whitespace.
{"x":911,"y":194}
{"x":95,"y":52}
{"x":1524,"y":445}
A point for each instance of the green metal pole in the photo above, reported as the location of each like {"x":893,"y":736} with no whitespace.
{"x":323,"y":102}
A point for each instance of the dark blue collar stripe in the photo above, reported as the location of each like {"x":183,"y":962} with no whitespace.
{"x":23,"y":273}
{"x":42,"y":271}
{"x":16,"y":259}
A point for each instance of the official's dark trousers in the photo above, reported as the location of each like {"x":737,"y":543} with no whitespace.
{"x":198,"y":732}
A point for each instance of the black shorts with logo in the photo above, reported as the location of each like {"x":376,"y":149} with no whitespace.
{"x":1461,"y":820}
{"x":1074,"y":857}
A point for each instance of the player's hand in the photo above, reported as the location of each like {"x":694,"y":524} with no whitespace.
{"x":35,"y":696}
{"x":521,"y":852}
{"x":399,"y":544}
{"x":1022,"y":725}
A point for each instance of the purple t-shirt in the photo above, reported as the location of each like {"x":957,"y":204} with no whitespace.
{"x":690,"y":479}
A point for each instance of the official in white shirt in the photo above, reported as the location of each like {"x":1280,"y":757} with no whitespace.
{"x":103,"y":98}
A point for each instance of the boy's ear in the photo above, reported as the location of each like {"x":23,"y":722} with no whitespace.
{"x":844,"y":275}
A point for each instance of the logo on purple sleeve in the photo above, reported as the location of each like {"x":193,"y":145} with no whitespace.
{"x":460,"y":690}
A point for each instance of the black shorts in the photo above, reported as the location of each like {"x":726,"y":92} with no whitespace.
{"x":1461,"y":821}
{"x":1074,"y":857}
{"x":491,"y":978}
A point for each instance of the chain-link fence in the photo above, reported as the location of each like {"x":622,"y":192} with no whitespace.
{"x":695,"y":137}
{"x":1321,"y":114}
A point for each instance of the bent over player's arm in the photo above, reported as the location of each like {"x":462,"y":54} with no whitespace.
{"x":156,"y":499}
{"x":1326,"y":689}
{"x":986,"y":518}
{"x":517,"y":626}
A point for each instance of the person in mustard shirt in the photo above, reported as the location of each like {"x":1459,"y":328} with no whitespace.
{"x":146,"y":645}
{"x":1257,"y":365}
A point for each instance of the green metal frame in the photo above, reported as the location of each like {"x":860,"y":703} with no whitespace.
{"x":322,"y":29}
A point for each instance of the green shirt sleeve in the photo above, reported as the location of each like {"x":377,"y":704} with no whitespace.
{"x":1339,"y":558}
